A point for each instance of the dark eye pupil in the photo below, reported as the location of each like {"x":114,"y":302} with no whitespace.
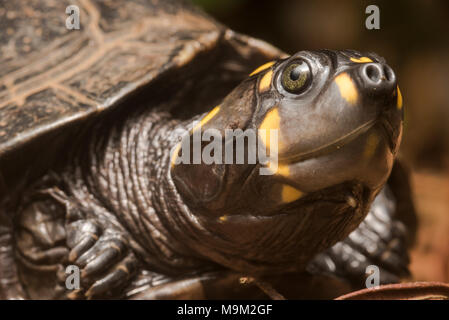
{"x":296,"y":77}
{"x":296,"y":72}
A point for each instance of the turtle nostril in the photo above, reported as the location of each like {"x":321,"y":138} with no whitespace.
{"x":372,"y":72}
{"x":378,"y":76}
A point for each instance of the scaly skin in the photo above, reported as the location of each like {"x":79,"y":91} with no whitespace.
{"x":99,"y":213}
{"x":115,"y":195}
{"x":125,"y":209}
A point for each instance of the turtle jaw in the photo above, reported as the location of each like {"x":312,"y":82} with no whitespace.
{"x":332,"y":146}
{"x":366,"y":155}
{"x":350,"y":132}
{"x":392,"y":134}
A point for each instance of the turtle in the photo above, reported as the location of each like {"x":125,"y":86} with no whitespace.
{"x":99,"y":132}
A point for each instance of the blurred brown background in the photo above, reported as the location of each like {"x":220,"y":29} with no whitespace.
{"x":414,"y":38}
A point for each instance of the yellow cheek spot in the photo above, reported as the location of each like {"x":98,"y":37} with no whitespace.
{"x":265,"y":82}
{"x":175,"y":154}
{"x":290,"y":194}
{"x":223,"y":218}
{"x":203,"y":121}
{"x":347,"y":88}
{"x":271,"y":122}
{"x":361,"y":60}
{"x":371,"y":145}
{"x":282,"y":170}
{"x":399,"y":103}
{"x":262,"y":68}
{"x":207,"y":117}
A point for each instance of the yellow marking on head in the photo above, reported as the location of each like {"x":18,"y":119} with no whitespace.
{"x":265,"y":82}
{"x":290,"y":194}
{"x":207,"y":118}
{"x":399,"y":102}
{"x":203,"y":121}
{"x":262,"y":68}
{"x":175,"y":154}
{"x":282,"y":170}
{"x":271,"y":122}
{"x":347,"y":88}
{"x":223,"y":218}
{"x":361,"y":60}
{"x":371,"y":145}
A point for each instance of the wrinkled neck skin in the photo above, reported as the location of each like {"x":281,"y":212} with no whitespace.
{"x":121,"y":181}
{"x":128,"y":184}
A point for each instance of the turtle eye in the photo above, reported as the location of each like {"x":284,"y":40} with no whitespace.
{"x":296,"y":76}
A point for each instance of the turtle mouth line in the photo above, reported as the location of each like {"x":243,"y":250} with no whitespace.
{"x":338,"y":143}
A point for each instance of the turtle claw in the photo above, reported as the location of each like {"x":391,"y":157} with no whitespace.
{"x":103,"y":258}
{"x":118,"y":277}
{"x":75,"y":295}
{"x":87,"y":242}
{"x":81,"y":236}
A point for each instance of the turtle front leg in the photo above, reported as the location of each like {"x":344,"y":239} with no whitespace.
{"x":53,"y":233}
{"x":103,"y":256}
{"x":102,"y":253}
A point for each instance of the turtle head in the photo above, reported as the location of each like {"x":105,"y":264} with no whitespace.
{"x":319,"y":132}
{"x":339,"y":118}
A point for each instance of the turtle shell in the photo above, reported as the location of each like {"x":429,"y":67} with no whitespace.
{"x":53,"y":78}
